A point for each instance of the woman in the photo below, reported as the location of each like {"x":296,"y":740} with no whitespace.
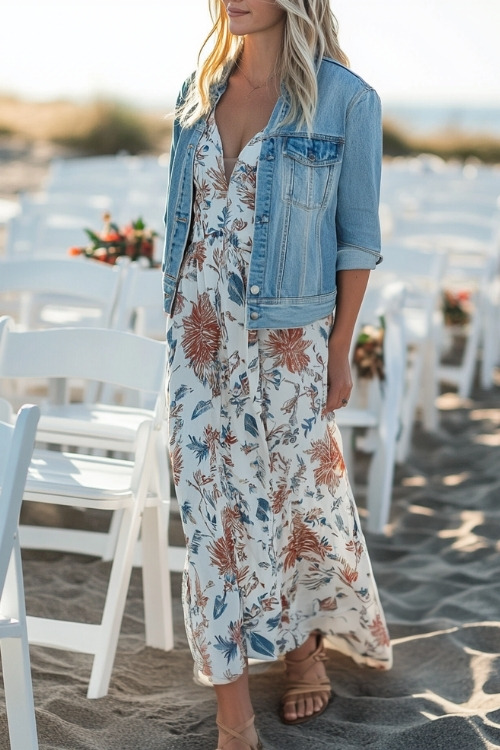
{"x":271,"y":224}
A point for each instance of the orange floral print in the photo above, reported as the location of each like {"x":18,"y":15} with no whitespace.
{"x":304,"y":543}
{"x":176,"y":459}
{"x":288,"y":348}
{"x":379,"y":631}
{"x":201,"y":336}
{"x":331,"y":467}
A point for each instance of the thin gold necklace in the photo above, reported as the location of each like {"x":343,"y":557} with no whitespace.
{"x":254,"y":88}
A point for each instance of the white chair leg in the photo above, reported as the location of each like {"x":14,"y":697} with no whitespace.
{"x":115,"y":604}
{"x":470,"y":355}
{"x":490,"y":337}
{"x":347,"y":436}
{"x":380,"y":480}
{"x":156,"y":579}
{"x":16,"y":663}
{"x":113,"y":531}
{"x":430,"y":384}
{"x":18,"y":693}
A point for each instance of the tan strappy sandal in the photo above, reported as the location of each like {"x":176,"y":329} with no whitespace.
{"x":235,"y":734}
{"x":303,"y":686}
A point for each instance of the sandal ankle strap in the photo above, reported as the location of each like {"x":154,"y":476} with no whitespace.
{"x":317,"y":655}
{"x":236,"y":733}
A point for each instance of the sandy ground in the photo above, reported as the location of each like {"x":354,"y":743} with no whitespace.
{"x":438,"y":570}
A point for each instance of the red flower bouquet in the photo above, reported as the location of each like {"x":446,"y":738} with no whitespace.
{"x":133,"y":241}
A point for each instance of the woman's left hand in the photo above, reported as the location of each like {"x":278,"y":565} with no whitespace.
{"x":339,"y":380}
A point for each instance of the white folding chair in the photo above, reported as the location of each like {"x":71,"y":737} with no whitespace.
{"x":16,"y":446}
{"x":137,"y":308}
{"x":136,"y":487}
{"x":376,"y":408}
{"x":471,"y":244}
{"x":422,"y":272}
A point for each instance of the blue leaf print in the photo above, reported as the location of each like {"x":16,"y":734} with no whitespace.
{"x":214,"y":235}
{"x":200,"y":408}
{"x":172,"y":343}
{"x":251,"y":425}
{"x":244,"y":517}
{"x":307,"y":424}
{"x":234,"y":240}
{"x":236,"y":289}
{"x":180,"y":392}
{"x":220,"y":605}
{"x":262,"y":509}
{"x":195,"y":542}
{"x":186,"y":512}
{"x":339,"y":522}
{"x":273,"y":622}
{"x":228,"y":648}
{"x":260,"y":644}
{"x":223,"y":217}
{"x":324,"y":333}
{"x":200,"y":449}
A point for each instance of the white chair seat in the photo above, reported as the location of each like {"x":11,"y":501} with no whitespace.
{"x":103,"y":483}
{"x":353,"y":417}
{"x":106,"y":426}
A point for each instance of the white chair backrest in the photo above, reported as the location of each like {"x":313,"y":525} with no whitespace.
{"x":31,"y":234}
{"x":68,"y":283}
{"x":139,"y":308}
{"x":16,"y":447}
{"x":97,"y":354}
{"x":421,"y":270}
{"x":450,"y":230}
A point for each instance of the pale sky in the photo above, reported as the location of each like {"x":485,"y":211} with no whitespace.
{"x":428,"y":51}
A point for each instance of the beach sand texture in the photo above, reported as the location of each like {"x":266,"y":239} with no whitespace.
{"x":438,"y":571}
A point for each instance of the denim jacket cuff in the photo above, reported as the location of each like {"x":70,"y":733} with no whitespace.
{"x":351,"y":257}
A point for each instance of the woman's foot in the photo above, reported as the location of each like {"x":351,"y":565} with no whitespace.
{"x":308,"y":687}
{"x":242,"y":737}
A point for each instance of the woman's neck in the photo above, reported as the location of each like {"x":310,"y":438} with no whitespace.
{"x":259,"y":57}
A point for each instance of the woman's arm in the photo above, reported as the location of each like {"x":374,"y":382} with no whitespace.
{"x":358,"y":235}
{"x":351,"y":287}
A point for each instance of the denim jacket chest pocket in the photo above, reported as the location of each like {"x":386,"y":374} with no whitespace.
{"x":310,"y":165}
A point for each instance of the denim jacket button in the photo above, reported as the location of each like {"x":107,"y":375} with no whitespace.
{"x":254,"y":315}
{"x":254,"y":289}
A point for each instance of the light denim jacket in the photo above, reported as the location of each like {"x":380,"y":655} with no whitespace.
{"x":316,"y":204}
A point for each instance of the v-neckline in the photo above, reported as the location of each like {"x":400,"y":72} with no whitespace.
{"x":238,"y":158}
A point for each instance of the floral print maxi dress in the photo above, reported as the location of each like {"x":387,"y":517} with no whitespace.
{"x":274,"y":546}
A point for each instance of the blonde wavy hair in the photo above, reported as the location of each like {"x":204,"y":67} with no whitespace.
{"x":310,"y":33}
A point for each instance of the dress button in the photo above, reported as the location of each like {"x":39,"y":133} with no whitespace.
{"x":254,"y":289}
{"x":254,"y":315}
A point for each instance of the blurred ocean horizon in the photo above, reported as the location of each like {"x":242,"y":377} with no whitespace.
{"x":431,"y":118}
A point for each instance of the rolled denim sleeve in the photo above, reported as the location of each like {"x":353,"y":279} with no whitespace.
{"x":357,"y":217}
{"x":176,"y":130}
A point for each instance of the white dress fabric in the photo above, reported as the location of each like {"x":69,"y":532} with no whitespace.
{"x":274,"y":545}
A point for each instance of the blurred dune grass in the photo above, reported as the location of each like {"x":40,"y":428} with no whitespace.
{"x":102,"y":126}
{"x":448,"y":143}
{"x":106,"y":126}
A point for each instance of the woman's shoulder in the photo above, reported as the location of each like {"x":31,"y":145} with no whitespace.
{"x":332,"y":70}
